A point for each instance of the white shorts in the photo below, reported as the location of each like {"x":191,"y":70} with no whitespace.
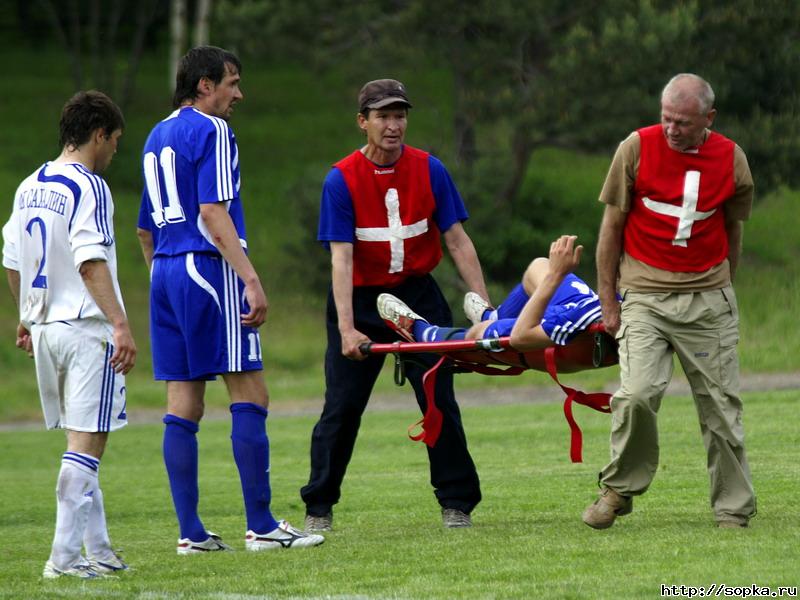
{"x":78,"y":387}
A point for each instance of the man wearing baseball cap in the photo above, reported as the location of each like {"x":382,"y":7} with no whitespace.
{"x":384,"y":210}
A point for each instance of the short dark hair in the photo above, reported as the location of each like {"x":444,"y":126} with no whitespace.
{"x":86,"y":112}
{"x":199,"y":62}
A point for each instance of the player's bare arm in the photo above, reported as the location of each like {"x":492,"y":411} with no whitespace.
{"x":342,"y":275}
{"x":97,"y":279}
{"x":609,"y":251}
{"x":465,"y":257}
{"x":146,"y":243}
{"x":23,"y":340}
{"x":226,"y":239}
{"x":734,"y":228}
{"x":564,"y":258}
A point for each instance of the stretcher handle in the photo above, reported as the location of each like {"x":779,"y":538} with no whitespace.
{"x":399,"y":365}
{"x":491,"y":345}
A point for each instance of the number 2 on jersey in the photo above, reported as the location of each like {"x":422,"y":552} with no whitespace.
{"x":173,"y":211}
{"x":40,"y":281}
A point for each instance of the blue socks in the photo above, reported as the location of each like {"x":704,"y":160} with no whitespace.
{"x":180,"y":458}
{"x":425,"y":332}
{"x":251,"y":453}
{"x":513,"y":304}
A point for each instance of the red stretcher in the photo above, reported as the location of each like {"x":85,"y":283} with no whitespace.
{"x":592,"y":349}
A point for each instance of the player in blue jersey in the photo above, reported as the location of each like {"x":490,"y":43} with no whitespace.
{"x":206,"y":299}
{"x":60,"y":257}
{"x":550,"y":307}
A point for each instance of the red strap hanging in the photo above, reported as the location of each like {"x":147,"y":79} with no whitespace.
{"x":599,"y":401}
{"x":431,"y":422}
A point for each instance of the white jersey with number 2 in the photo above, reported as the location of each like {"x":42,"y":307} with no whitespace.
{"x":62,"y":216}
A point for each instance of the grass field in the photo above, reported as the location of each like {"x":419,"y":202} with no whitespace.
{"x":527,"y":542}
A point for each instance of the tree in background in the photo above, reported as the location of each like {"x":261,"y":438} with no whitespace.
{"x":177,"y":30}
{"x":574,"y":74}
{"x":93,"y":33}
{"x":516,"y":79}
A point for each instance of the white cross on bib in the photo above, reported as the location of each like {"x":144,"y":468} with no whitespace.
{"x":395,"y":233}
{"x":687,"y":212}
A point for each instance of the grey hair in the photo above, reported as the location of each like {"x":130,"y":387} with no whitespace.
{"x":699,"y":88}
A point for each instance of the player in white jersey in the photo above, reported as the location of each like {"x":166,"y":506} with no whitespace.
{"x":60,"y":258}
{"x":206,"y":299}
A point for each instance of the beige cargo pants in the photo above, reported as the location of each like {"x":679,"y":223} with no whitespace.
{"x":702,"y":328}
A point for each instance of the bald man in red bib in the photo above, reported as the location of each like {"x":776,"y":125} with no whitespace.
{"x":676,"y":195}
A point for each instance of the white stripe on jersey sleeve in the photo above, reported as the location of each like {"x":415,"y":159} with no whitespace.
{"x":102,"y":196}
{"x":223,"y":155}
{"x":236,"y":164}
{"x":89,"y":236}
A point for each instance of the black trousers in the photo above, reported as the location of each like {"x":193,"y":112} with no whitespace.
{"x":349,"y":384}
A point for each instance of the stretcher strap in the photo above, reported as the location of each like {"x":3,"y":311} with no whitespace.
{"x":431,"y":422}
{"x":487,"y":370}
{"x":598,"y":401}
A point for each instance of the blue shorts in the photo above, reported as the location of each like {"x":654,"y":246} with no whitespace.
{"x":196,"y":304}
{"x":572,"y":309}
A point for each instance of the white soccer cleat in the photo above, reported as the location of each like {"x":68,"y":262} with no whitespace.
{"x":475,"y":306}
{"x":397,"y":315}
{"x":111,"y":564}
{"x":83,"y":571}
{"x":283,"y":536}
{"x":213,"y":543}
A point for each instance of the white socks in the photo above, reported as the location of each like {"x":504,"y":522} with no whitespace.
{"x":98,"y":545}
{"x":79,"y":512}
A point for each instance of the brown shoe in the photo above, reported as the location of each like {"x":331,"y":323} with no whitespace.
{"x":610,"y":505}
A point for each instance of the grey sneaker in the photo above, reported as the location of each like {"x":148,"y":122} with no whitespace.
{"x":731,"y":524}
{"x":397,"y":315}
{"x":454,"y":518}
{"x":82,"y":571}
{"x":283,"y":536}
{"x":323,"y":523}
{"x":603,"y":511}
{"x":475,"y":306}
{"x":110,"y":564}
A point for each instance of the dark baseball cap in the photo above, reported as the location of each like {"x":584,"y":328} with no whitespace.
{"x":382,"y":92}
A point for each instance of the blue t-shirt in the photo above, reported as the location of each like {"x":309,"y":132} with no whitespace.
{"x":189,"y":158}
{"x":337,"y":219}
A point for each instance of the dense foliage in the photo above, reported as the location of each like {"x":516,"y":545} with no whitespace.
{"x":550,"y":73}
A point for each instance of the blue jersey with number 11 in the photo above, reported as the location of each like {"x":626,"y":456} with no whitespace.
{"x":190,"y":158}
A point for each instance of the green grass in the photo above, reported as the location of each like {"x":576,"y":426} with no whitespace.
{"x":527,"y":542}
{"x":768,"y":285}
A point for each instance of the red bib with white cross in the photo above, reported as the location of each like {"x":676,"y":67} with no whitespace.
{"x":676,"y":221}
{"x":396,"y":236}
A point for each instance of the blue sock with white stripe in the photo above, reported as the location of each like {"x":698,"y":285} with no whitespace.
{"x":251,"y":453}
{"x":513,"y":304}
{"x":180,"y":458}
{"x":425,"y":332}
